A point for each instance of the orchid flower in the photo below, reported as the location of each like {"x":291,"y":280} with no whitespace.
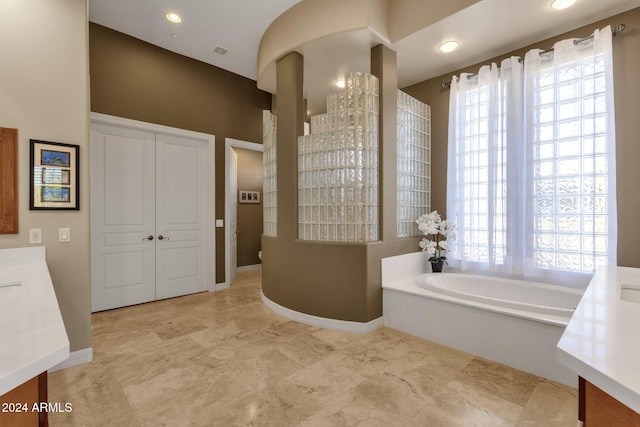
{"x":432,"y":224}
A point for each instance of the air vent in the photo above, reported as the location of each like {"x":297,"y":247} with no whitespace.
{"x":220,"y":50}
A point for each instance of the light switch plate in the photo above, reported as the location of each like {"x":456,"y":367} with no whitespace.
{"x":219,"y":223}
{"x":64,"y":235}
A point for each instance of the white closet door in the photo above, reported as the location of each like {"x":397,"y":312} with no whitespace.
{"x":181,"y":173}
{"x":123,"y":217}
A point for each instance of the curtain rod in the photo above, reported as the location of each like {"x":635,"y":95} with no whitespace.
{"x":617,"y":29}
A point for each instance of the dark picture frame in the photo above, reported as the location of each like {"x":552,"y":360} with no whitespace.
{"x":54,"y":176}
{"x":245,"y":196}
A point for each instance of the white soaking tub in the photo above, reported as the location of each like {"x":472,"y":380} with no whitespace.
{"x":512,"y":322}
{"x":532,"y":297}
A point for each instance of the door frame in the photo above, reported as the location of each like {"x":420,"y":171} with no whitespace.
{"x":209,"y":140}
{"x":228,"y":144}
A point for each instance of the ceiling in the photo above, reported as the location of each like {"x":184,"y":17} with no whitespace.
{"x":236,"y":25}
{"x":485,"y":29}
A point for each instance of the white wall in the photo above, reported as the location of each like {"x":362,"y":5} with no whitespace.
{"x":44,"y":93}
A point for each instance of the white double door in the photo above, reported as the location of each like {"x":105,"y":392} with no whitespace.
{"x":148,"y":203}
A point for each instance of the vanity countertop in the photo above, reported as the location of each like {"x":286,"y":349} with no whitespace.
{"x":32,"y":335}
{"x":602,"y":340}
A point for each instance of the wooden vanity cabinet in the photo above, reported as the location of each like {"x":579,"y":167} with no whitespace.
{"x":8,"y":181}
{"x":27,"y":394}
{"x":598,"y":409}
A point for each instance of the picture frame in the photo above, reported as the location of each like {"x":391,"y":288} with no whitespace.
{"x":54,"y":182}
{"x":248,"y":196}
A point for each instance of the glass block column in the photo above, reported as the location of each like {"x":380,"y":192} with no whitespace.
{"x":414,"y":163}
{"x":338,"y":167}
{"x":269,"y":190}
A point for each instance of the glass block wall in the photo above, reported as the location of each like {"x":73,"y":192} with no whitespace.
{"x":269,"y":186}
{"x":414,"y":163}
{"x":338,"y":166}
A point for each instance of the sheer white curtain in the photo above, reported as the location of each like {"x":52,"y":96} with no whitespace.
{"x":482,"y":132}
{"x":531,"y":165}
{"x":569,"y":135}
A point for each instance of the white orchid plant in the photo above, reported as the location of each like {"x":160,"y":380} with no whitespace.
{"x":432,"y":224}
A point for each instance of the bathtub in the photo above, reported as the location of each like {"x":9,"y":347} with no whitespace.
{"x":512,"y":322}
{"x":532,"y":298}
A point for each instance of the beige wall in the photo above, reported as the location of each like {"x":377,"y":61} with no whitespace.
{"x":626,"y":58}
{"x":409,"y":16}
{"x":136,"y":80}
{"x":44,"y":93}
{"x":250,"y":178}
{"x":312,"y":20}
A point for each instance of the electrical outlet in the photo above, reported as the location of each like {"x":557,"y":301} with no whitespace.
{"x":35,"y":236}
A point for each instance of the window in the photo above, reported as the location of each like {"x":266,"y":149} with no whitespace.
{"x":532,"y":162}
{"x":569,"y":149}
{"x":481,"y":130}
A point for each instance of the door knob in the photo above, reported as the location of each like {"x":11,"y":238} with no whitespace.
{"x":148,"y":238}
{"x":161,"y":237}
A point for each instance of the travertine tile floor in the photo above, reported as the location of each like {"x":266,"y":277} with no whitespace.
{"x":224,"y":359}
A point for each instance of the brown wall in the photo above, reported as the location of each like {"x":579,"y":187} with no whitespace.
{"x":626,"y":58}
{"x":330,"y":279}
{"x":249,"y":214}
{"x":321,"y":279}
{"x":136,"y":80}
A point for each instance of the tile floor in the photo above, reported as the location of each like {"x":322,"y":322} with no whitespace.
{"x":224,"y":359}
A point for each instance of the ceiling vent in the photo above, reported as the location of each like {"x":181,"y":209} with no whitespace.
{"x":220,"y":50}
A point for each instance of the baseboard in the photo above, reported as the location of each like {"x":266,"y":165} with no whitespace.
{"x":324,"y":322}
{"x":76,"y":358}
{"x":248,"y":268}
{"x":220,"y":287}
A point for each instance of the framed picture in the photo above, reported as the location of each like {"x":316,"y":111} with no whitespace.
{"x":56,"y":176}
{"x":54,"y":180}
{"x":248,"y":196}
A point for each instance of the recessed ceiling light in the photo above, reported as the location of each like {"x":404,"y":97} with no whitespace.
{"x":449,"y":46}
{"x":562,"y":4}
{"x":174,"y":17}
{"x":175,"y":36}
{"x":339,"y":83}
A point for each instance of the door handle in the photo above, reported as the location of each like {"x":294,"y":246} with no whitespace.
{"x":148,"y":238}
{"x":161,"y":237}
